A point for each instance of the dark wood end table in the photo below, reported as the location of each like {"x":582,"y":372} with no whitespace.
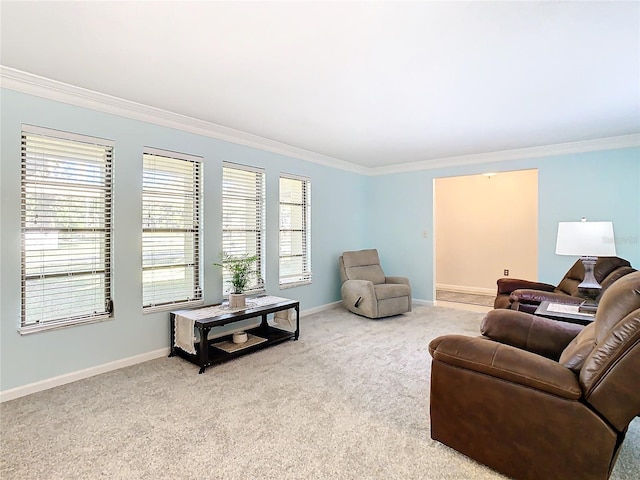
{"x":563,"y":313}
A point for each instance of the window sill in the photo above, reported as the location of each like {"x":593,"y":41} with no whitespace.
{"x":284,"y":286}
{"x":172,"y":306}
{"x":30,"y":329}
{"x":248,"y":293}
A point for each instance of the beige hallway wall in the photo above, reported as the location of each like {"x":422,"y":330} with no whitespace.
{"x":484,"y":225}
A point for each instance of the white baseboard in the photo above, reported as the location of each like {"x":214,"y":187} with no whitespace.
{"x":48,"y":383}
{"x":465,"y":289}
{"x":414,"y":301}
{"x":321,"y":308}
{"x":428,"y":303}
{"x":41,"y":385}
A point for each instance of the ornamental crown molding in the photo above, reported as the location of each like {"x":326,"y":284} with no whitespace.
{"x":31,"y":84}
{"x":608,"y":143}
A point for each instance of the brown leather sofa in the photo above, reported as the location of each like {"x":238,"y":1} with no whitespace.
{"x":535,"y":398}
{"x":525,"y":295}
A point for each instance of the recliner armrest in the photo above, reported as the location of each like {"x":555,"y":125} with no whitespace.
{"x":360,"y":288}
{"x":536,"y":297}
{"x":508,"y":285}
{"x":507,"y":363}
{"x":535,"y":334}
{"x":359,"y":296}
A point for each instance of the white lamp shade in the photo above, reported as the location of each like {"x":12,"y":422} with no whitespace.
{"x":586,"y":239}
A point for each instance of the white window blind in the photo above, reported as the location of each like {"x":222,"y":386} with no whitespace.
{"x":243,"y":214}
{"x":295,"y":231}
{"x":66,"y":183}
{"x":171,"y":199}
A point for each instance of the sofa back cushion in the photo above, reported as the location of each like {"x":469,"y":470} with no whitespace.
{"x":604,"y":267}
{"x":612,"y":277}
{"x":609,"y":376}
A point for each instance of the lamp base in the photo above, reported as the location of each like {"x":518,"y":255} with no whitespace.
{"x":589,"y":288}
{"x":589,"y":279}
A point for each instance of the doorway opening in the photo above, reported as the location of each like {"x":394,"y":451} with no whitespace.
{"x":485,"y":228}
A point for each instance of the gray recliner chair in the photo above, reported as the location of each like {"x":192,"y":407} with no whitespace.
{"x":367,"y":291}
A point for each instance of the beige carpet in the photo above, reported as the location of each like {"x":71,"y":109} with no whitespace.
{"x":349,"y":400}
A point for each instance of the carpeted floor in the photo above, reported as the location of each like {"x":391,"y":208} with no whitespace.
{"x":349,"y":400}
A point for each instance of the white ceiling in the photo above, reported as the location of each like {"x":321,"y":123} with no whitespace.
{"x":371,"y":83}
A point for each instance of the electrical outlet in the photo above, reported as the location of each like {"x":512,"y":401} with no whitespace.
{"x":506,"y":272}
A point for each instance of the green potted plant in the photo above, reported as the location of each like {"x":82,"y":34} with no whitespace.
{"x":241,"y":268}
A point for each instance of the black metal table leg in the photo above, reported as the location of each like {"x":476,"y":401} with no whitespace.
{"x":297,"y":334}
{"x":172,"y":334}
{"x":204,"y":348}
{"x":264,"y":326}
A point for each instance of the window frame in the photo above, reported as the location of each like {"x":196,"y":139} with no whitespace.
{"x":259,"y":231}
{"x":304,"y":277}
{"x":83,"y":184}
{"x":197,"y":297}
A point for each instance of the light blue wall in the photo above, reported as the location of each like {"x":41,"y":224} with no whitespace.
{"x":337,"y":198}
{"x":349,"y":212}
{"x":600,"y":185}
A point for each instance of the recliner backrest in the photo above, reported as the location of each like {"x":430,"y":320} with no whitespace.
{"x":610,"y":374}
{"x":612,"y":277}
{"x":362,"y":265}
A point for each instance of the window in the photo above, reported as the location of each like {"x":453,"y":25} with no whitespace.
{"x":243,"y":203}
{"x":295,"y":231}
{"x":66,"y":229}
{"x":170,"y":230}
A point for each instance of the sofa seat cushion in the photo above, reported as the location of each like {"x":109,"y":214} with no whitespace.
{"x":391,"y":290}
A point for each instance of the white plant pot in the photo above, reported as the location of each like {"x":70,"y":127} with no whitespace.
{"x":237,"y":300}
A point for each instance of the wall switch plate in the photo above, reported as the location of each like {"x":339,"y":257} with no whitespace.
{"x":506,"y":272}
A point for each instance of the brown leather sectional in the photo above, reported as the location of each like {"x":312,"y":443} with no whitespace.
{"x":526,"y":295}
{"x":535,"y":398}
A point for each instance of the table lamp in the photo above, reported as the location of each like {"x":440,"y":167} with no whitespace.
{"x":588,"y":240}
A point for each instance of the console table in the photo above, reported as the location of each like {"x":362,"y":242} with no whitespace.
{"x":207,"y":352}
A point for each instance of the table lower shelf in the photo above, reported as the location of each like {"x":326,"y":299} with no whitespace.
{"x":230,"y":347}
{"x":216,"y":355}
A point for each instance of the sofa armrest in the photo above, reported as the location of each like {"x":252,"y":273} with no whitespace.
{"x":536,"y":297}
{"x":507,"y":363}
{"x":508,"y":285}
{"x":535,"y":334}
{"x":403,"y":280}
